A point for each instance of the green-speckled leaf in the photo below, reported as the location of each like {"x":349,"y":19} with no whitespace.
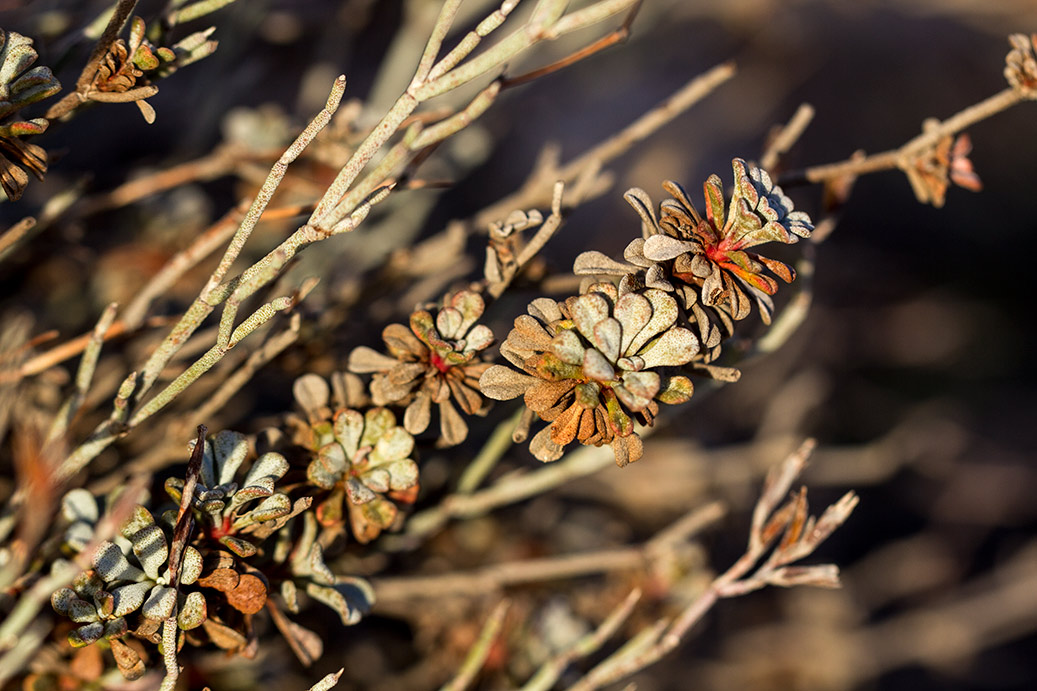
{"x":403,"y":474}
{"x":160,"y":603}
{"x":568,"y":347}
{"x":149,"y":545}
{"x":112,"y":566}
{"x":116,"y":628}
{"x":597,"y":367}
{"x":714,"y":193}
{"x":676,"y":390}
{"x":261,"y":478}
{"x":328,"y":467}
{"x":231,"y":449}
{"x":85,"y":635}
{"x":139,"y":519}
{"x":274,"y":506}
{"x":607,"y":336}
{"x":87,"y":583}
{"x":448,"y":323}
{"x":62,"y":600}
{"x":479,"y":338}
{"x":240,"y":547}
{"x":664,"y":314}
{"x":174,"y":487}
{"x":78,"y":535}
{"x":587,"y":311}
{"x":358,"y":492}
{"x":351,"y":600}
{"x":129,"y":598}
{"x":79,"y":505}
{"x":192,"y":611}
{"x":633,"y":312}
{"x":471,"y":305}
{"x":290,"y":594}
{"x":191,"y":568}
{"x":319,"y":571}
{"x":81,"y":611}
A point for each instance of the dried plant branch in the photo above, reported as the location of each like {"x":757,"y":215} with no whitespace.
{"x":537,"y":190}
{"x":508,"y":490}
{"x":15,"y":235}
{"x":213,"y":294}
{"x":787,"y":136}
{"x":800,"y":537}
{"x":328,"y":681}
{"x":619,"y":35}
{"x":84,"y":375}
{"x":549,"y":673}
{"x":451,"y":73}
{"x":478,"y":653}
{"x":69,"y":349}
{"x":901,"y":157}
{"x":491,"y":452}
{"x":73,"y":100}
{"x":492,"y":579}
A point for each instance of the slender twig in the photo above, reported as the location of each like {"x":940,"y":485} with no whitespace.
{"x":476,"y":657}
{"x":111,"y":32}
{"x":895,"y":158}
{"x":69,"y":349}
{"x":538,"y":188}
{"x":799,"y":535}
{"x":550,"y":671}
{"x":491,"y":452}
{"x":491,"y":579}
{"x":787,"y":136}
{"x":84,"y":375}
{"x":619,"y":35}
{"x":15,"y":235}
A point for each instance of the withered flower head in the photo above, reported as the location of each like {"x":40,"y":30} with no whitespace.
{"x":20,"y":87}
{"x":590,"y":366}
{"x":129,"y":590}
{"x":238,"y":512}
{"x":124,"y":66}
{"x":435,"y":360}
{"x":932,"y":170}
{"x":706,"y":260}
{"x":1021,"y":64}
{"x":365,"y":461}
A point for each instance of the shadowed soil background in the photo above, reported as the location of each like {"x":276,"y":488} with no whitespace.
{"x":913,"y":369}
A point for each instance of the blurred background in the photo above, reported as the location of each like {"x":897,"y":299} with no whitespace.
{"x":912,"y":369}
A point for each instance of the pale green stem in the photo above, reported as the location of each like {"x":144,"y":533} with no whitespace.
{"x":197,"y":10}
{"x":476,"y":657}
{"x":458,"y":121}
{"x":491,"y":452}
{"x":435,"y":40}
{"x":84,"y":375}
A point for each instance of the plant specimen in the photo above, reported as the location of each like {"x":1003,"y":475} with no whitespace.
{"x":323,"y":510}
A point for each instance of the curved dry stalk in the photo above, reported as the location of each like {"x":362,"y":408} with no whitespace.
{"x":900,"y":157}
{"x":476,"y":657}
{"x":799,"y":536}
{"x":492,"y":579}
